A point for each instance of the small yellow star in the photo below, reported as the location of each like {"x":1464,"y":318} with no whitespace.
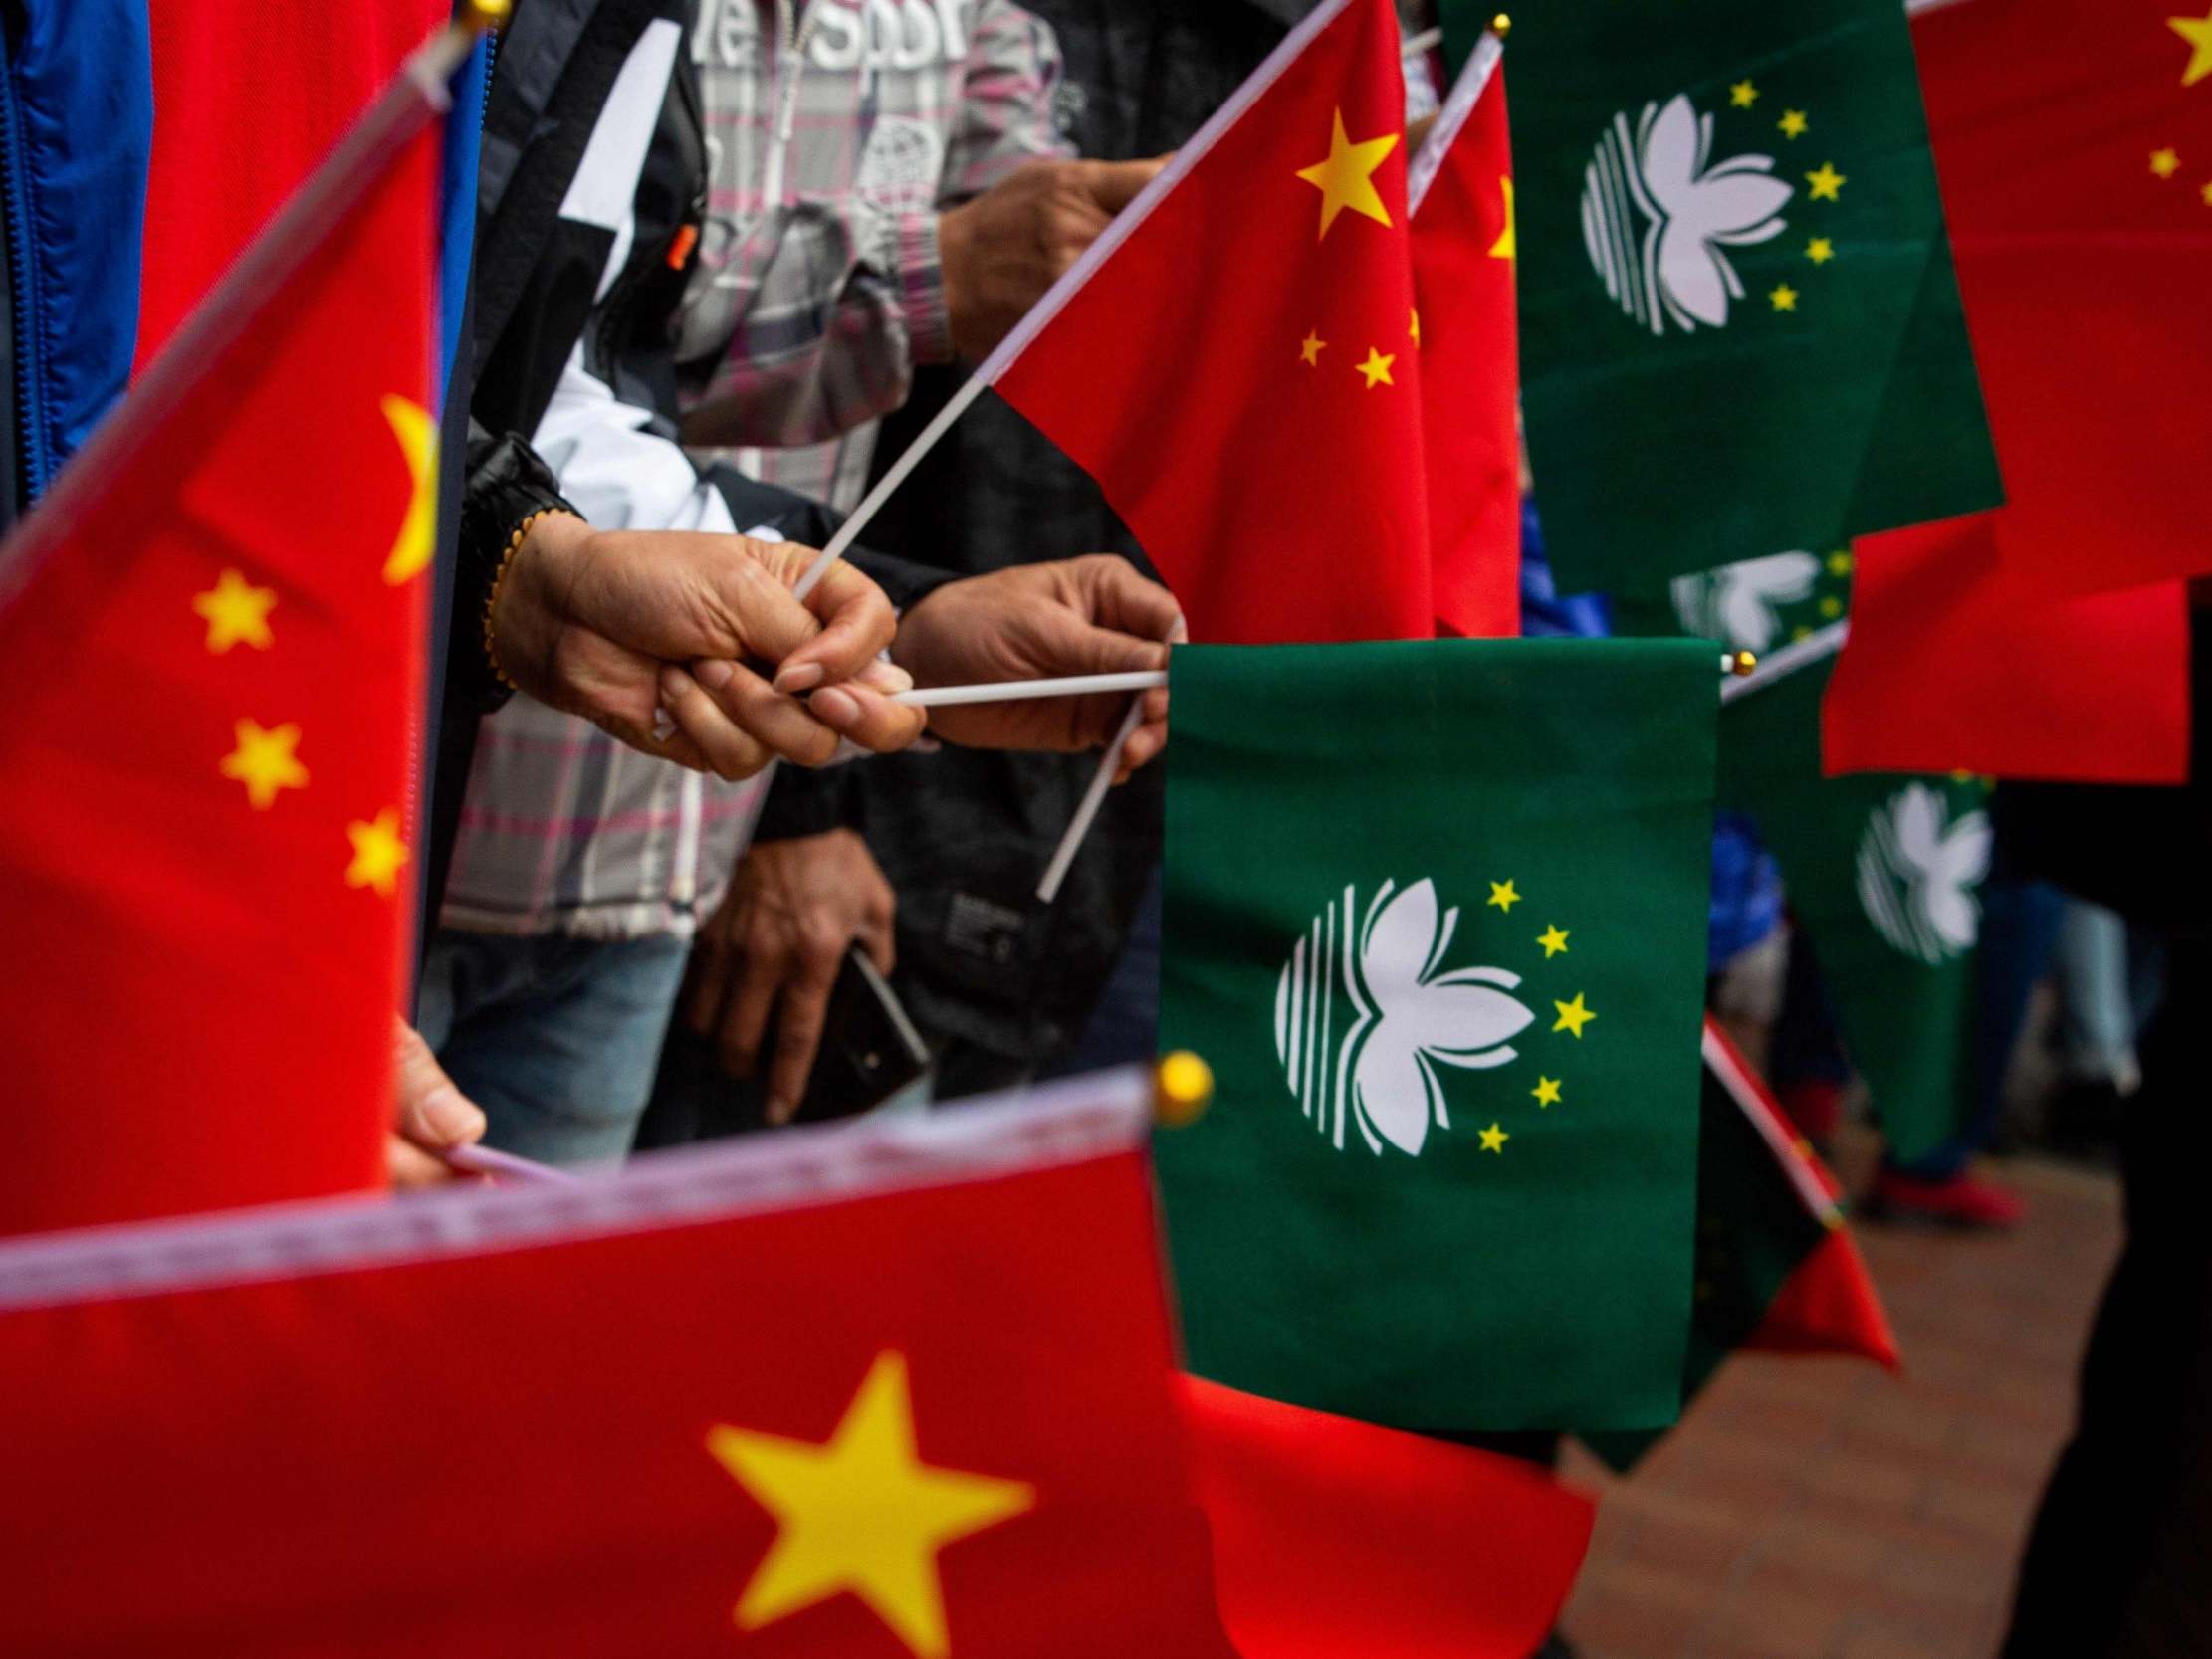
{"x":1820,"y":250}
{"x":265,"y":761}
{"x":1376,"y":369}
{"x":1743,"y":95}
{"x":1504,"y":895}
{"x":1831,"y":607}
{"x":378,"y":853}
{"x":236,"y":613}
{"x":861,"y":1514}
{"x":418,"y":442}
{"x":1573,"y":1016}
{"x":1793,"y":124}
{"x":1346,"y":177}
{"x":1825,"y":183}
{"x":2197,"y":30}
{"x":2165,"y":162}
{"x":1784,"y":298}
{"x":1507,"y":245}
{"x":1546,"y":1091}
{"x":1311,"y":347}
{"x":1838,"y":562}
{"x":1554,"y":939}
{"x":1494,"y":1139}
{"x":1413,"y":327}
{"x":1801,"y":631}
{"x":2206,"y":193}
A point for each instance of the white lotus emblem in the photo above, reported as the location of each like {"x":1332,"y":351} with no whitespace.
{"x":1741,"y":602}
{"x":1917,"y":872}
{"x":1363,"y":1017}
{"x":1657,"y":219}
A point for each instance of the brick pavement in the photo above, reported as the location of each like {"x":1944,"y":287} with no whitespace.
{"x":1820,"y":1509}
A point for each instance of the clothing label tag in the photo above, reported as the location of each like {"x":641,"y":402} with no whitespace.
{"x":983,"y":928}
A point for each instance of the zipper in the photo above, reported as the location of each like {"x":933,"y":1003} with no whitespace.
{"x":793,"y":36}
{"x":34,"y":460}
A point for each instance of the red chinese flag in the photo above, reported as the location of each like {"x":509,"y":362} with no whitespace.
{"x":1464,"y":266}
{"x":1235,"y":360}
{"x":1957,"y":662}
{"x":2075,"y":143}
{"x":210,"y":641}
{"x":230,"y":146}
{"x":1334,"y":1537}
{"x":894,"y":1392}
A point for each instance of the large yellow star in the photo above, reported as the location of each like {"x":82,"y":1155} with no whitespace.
{"x":1825,"y":183}
{"x":378,"y":853}
{"x":1546,"y":1091}
{"x":861,"y":1512}
{"x":1376,"y":369}
{"x":1504,"y":895}
{"x":2197,"y":30}
{"x":1573,"y":1016}
{"x":1507,"y":245}
{"x":236,"y":613}
{"x":1494,"y":1139}
{"x":1347,"y":178}
{"x":265,"y":761}
{"x":1554,"y":939}
{"x":418,"y":442}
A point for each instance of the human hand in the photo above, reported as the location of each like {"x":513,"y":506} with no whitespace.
{"x":1001,"y":250}
{"x":430,"y":1115}
{"x":794,"y":908}
{"x":596,"y":622}
{"x":1090,"y":615}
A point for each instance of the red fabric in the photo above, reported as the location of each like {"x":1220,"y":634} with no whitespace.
{"x":202,"y":1005}
{"x":1336,"y":1538}
{"x":1955,"y":662}
{"x":246,"y":101}
{"x":1470,"y":376}
{"x":505,"y":1452}
{"x":1281,"y":500}
{"x":2083,"y":273}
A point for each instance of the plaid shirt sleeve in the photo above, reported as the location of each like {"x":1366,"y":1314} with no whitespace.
{"x":825,"y":329}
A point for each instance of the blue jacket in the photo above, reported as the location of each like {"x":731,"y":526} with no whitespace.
{"x":76,"y":127}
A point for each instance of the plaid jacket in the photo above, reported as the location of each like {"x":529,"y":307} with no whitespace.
{"x":815,"y":290}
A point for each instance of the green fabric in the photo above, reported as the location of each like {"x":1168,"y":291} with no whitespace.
{"x":1753,"y":1232}
{"x":1342,"y":1237}
{"x":1758,"y":605}
{"x":1737,"y":428}
{"x":1882,"y":870}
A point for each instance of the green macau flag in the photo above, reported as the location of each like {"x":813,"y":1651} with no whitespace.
{"x":1435,"y":914}
{"x":1882,"y":872}
{"x":1739,"y":322}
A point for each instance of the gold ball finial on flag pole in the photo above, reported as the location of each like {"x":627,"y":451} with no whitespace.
{"x":1502,"y":25}
{"x":1742,"y":662}
{"x":1181,"y":1089}
{"x":485,"y":14}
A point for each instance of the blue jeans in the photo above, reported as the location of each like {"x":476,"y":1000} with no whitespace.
{"x":556,"y":1038}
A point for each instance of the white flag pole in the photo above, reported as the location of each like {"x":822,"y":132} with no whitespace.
{"x":1824,"y":642}
{"x":1466,"y":92}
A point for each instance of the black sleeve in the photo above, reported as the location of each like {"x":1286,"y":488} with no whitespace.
{"x":507,"y":483}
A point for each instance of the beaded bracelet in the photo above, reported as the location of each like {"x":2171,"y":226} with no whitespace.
{"x":499,"y":580}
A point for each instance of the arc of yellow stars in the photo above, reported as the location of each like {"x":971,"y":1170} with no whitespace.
{"x":1507,"y":245}
{"x":1573,"y":1016}
{"x":861,"y":1512}
{"x":1546,"y":1091}
{"x":418,"y":442}
{"x":1376,"y":369}
{"x":1346,"y":176}
{"x":1827,"y":183}
{"x":2197,"y":30}
{"x":378,"y":853}
{"x":266,"y":760}
{"x":236,"y":613}
{"x":1504,"y":895}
